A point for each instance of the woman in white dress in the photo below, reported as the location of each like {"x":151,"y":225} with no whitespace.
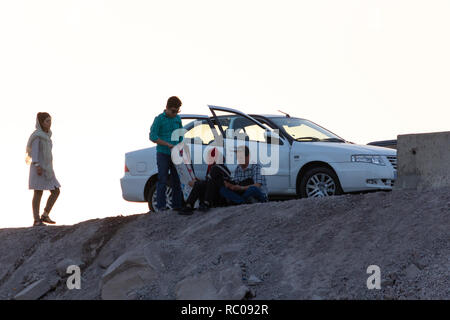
{"x":42,"y":177}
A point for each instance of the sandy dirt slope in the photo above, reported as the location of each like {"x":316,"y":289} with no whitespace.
{"x":297,"y":249}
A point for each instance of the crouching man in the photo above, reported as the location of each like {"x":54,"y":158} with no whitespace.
{"x":248,"y":184}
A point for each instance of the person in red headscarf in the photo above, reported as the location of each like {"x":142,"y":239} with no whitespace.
{"x":199,"y":188}
{"x":218,"y":175}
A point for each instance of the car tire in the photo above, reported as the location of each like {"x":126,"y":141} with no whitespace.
{"x":319,"y":182}
{"x":151,"y":197}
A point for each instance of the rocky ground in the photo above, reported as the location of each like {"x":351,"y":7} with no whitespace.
{"x":297,"y":249}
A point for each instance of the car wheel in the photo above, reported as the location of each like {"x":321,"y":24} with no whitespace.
{"x":151,"y":198}
{"x":320,"y":182}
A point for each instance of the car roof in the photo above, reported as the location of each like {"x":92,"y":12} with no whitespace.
{"x":193,"y":116}
{"x":272,"y":116}
{"x":269,"y":115}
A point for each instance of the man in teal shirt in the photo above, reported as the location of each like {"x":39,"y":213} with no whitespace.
{"x":161,"y":133}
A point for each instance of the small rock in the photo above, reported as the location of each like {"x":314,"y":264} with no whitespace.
{"x":239,"y":293}
{"x":152,"y":254}
{"x":420,"y":263}
{"x":232,"y":287}
{"x":390,"y":280}
{"x":217,"y":261}
{"x":196,"y":288}
{"x":387,"y":283}
{"x":412,"y":271}
{"x":254,"y":280}
{"x":223,"y":285}
{"x":129,"y":272}
{"x":61,"y":267}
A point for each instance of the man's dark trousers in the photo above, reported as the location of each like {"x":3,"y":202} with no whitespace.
{"x":251,"y":192}
{"x":197,"y":193}
{"x":164,"y":163}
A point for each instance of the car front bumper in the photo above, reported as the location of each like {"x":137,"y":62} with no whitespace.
{"x":356,"y":176}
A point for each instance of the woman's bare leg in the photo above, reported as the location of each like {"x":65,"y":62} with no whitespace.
{"x":36,"y":204}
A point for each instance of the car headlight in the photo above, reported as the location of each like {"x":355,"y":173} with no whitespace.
{"x":368,"y":159}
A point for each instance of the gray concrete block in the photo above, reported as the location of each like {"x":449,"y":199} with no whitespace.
{"x":423,"y":161}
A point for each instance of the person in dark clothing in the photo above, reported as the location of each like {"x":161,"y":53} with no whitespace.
{"x":207,"y":191}
{"x":161,"y":133}
{"x":218,"y":176}
{"x":197,"y":193}
{"x":198,"y":190}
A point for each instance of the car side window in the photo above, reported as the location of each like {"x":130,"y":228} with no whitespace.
{"x":199,"y":133}
{"x":249,"y":129}
{"x":255,"y":133}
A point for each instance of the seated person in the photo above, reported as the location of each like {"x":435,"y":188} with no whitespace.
{"x":197,"y":193}
{"x":248,"y":182}
{"x":216,"y":180}
{"x":206,"y":191}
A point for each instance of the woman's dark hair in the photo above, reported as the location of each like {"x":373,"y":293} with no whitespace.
{"x":173,"y":102}
{"x":41,"y":116}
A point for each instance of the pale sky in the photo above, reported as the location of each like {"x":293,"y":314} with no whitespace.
{"x":366,"y":70}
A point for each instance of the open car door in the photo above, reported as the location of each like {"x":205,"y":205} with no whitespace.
{"x":266,"y":146}
{"x":199,"y":136}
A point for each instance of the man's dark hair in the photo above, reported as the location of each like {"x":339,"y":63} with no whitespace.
{"x":173,"y":102}
{"x":246,"y":151}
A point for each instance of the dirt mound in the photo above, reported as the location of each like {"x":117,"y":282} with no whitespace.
{"x":297,"y":249}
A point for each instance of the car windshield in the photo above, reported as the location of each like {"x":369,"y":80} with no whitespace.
{"x":305,"y":130}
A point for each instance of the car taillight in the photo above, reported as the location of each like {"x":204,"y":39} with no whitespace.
{"x":126,"y":169}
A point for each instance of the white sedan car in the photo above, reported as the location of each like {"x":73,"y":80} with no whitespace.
{"x":299,"y":157}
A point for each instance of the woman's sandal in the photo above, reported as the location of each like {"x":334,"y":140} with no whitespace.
{"x":38,"y":224}
{"x":46,"y":219}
